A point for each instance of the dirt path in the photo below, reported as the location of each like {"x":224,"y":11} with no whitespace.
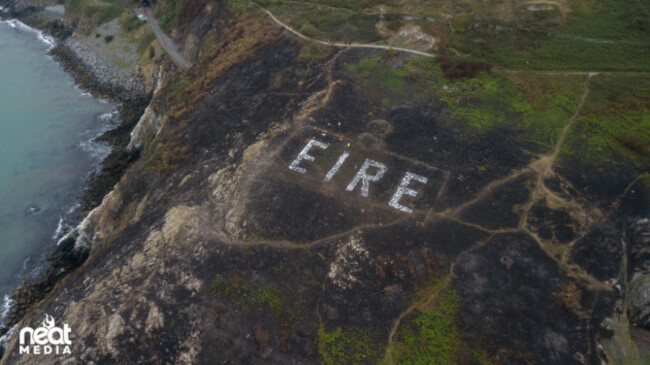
{"x":542,"y":166}
{"x":339,"y":44}
{"x":166,"y":42}
{"x":423,"y":305}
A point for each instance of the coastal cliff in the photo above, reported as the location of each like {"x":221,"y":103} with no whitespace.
{"x":286,"y":202}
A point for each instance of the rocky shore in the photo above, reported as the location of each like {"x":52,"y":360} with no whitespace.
{"x":94,"y":73}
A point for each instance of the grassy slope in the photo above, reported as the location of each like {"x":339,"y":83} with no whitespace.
{"x":614,"y":126}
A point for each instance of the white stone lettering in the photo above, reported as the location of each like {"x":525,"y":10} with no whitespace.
{"x":365,"y":178}
{"x":337,"y":166}
{"x":304,"y":155}
{"x":403,"y":189}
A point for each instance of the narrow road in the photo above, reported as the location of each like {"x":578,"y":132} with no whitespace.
{"x":165,"y":41}
{"x":337,"y":44}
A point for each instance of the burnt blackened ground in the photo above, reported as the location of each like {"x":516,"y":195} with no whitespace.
{"x":600,"y":253}
{"x":552,"y":223}
{"x":213,"y":250}
{"x":527,"y":250}
{"x":263,"y":303}
{"x":600,"y":183}
{"x":635,"y":202}
{"x":503,"y":285}
{"x":474,"y":159}
{"x":502,"y":207}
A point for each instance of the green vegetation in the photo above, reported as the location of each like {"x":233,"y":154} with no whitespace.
{"x":349,"y":345}
{"x":238,"y":5}
{"x":612,"y":127}
{"x":167,"y":15}
{"x":237,"y":291}
{"x":593,"y":35}
{"x":245,"y":296}
{"x":164,"y":159}
{"x":134,"y":31}
{"x":432,"y":337}
{"x":144,"y":42}
{"x":537,"y":106}
{"x":328,"y":25}
{"x":523,"y":49}
{"x":179,"y":86}
{"x":489,"y":101}
{"x":311,"y":51}
{"x":271,"y":297}
{"x":614,"y":122}
{"x":95,"y":12}
{"x":590,"y":35}
{"x":611,"y":19}
{"x":347,"y":4}
{"x":130,"y":23}
{"x":645,"y":360}
{"x":392,"y":79}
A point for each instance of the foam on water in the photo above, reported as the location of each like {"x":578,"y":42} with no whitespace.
{"x":6,"y":306}
{"x":7,"y":303}
{"x":17,"y":24}
{"x":99,"y":149}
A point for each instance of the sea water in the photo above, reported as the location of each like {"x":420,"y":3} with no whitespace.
{"x":47,"y":127}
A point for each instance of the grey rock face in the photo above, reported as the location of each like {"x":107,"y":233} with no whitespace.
{"x":639,"y":285}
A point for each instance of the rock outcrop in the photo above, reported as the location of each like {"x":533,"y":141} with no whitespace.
{"x":638,"y":290}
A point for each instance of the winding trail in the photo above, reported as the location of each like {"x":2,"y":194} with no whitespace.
{"x":340,"y":44}
{"x":166,"y":42}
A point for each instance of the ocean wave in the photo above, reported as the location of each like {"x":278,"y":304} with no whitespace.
{"x":17,"y":24}
{"x":73,"y":208}
{"x":65,"y":221}
{"x":111,"y":116}
{"x":85,"y":94}
{"x":7,"y":303}
{"x":6,"y":306}
{"x":97,"y":150}
{"x":59,"y":228}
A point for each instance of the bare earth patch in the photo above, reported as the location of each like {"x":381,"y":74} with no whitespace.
{"x":412,"y":36}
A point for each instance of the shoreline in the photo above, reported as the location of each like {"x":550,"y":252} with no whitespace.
{"x":61,"y":258}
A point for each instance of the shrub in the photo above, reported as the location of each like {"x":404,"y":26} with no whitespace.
{"x":461,"y":69}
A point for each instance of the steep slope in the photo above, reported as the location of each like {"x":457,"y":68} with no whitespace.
{"x":355,"y":206}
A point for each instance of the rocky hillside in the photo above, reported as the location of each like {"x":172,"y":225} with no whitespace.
{"x":294,"y":203}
